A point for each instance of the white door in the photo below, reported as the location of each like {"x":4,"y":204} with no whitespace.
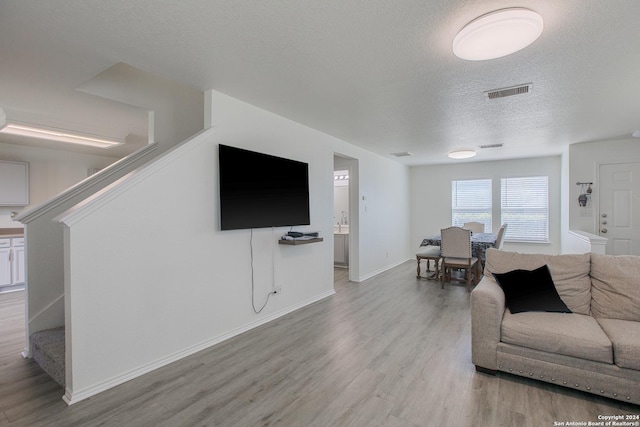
{"x":619,"y":217}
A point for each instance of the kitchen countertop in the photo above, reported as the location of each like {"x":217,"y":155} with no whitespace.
{"x":11,"y":232}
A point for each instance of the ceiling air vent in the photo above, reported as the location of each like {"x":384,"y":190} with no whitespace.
{"x":402,"y":154}
{"x":509,"y":91}
{"x":491,"y":146}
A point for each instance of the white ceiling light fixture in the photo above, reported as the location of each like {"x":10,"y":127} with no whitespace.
{"x":461,"y":154}
{"x":13,"y":127}
{"x":636,"y":134}
{"x":497,"y":34}
{"x":58,"y":135}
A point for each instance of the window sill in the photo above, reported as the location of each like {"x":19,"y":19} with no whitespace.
{"x":530,"y":242}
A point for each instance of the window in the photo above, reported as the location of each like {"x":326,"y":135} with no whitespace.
{"x":525,"y":207}
{"x":471,"y":201}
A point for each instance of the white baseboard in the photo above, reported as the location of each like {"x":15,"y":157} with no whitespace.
{"x":70,"y":397}
{"x":382,"y":270}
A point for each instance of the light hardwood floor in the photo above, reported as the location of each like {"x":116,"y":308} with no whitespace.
{"x":390,"y":351}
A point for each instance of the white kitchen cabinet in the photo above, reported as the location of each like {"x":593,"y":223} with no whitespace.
{"x":14,"y":183}
{"x":5,"y":262}
{"x":12,"y":265}
{"x":17,"y":260}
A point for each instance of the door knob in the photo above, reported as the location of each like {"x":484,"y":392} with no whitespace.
{"x":604,"y":222}
{"x":604,"y":215}
{"x":603,"y":230}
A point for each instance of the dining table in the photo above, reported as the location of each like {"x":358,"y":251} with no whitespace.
{"x":480,"y":242}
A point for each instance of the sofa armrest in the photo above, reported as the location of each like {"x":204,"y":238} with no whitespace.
{"x":487,"y":310}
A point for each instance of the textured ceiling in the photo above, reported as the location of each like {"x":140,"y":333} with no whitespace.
{"x":376,"y":73}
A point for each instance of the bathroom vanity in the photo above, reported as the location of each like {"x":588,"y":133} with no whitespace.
{"x":341,"y":246}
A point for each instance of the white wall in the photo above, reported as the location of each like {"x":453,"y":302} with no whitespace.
{"x":584,"y":162}
{"x":380,"y":223}
{"x":44,"y":242}
{"x":50,"y":173}
{"x":340,"y":197}
{"x":177,"y":109}
{"x":142,"y":292}
{"x":384,"y":214}
{"x":431,"y":196}
{"x":341,"y":203}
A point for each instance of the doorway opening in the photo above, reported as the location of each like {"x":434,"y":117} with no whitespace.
{"x":345,"y":216}
{"x":341,"y":218}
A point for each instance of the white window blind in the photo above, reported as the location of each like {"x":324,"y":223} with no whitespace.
{"x":525,"y":208}
{"x":471,"y":201}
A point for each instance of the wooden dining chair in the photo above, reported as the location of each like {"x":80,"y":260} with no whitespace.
{"x":457,"y":254}
{"x":475,"y":227}
{"x":429,"y":253}
{"x":500,"y":237}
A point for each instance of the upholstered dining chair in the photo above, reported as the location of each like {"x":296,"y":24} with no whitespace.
{"x":457,"y":254}
{"x":429,"y":253}
{"x":500,"y":237}
{"x":475,"y":227}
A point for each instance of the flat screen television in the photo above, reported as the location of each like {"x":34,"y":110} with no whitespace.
{"x":259,"y":190}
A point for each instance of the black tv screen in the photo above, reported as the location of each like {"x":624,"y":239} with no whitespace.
{"x":259,"y":190}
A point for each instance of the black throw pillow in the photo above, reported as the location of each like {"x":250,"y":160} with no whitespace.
{"x":534,"y":290}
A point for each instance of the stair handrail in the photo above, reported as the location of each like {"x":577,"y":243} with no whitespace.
{"x":104,"y":174}
{"x":96,"y":200}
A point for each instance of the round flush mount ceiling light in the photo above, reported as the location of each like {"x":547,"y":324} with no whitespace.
{"x":461,"y":154}
{"x":498,"y":34}
{"x":636,"y":134}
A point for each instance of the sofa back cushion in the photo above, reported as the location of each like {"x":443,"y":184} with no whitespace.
{"x":570,"y":273}
{"x":616,"y":287}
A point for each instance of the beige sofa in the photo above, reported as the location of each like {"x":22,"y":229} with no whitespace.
{"x":596,"y":348}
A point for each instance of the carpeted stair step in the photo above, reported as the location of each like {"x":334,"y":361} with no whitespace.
{"x":48,"y":349}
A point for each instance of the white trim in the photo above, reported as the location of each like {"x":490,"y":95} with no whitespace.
{"x":122,"y":185}
{"x":534,"y":242}
{"x":70,"y":397}
{"x":589,"y":238}
{"x":71,"y":192}
{"x":382,"y":270}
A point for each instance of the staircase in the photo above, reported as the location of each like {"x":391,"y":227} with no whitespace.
{"x":45,"y":267}
{"x":48,"y":349}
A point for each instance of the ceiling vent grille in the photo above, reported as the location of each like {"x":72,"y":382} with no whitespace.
{"x":402,"y":154}
{"x":509,"y":91}
{"x":491,"y":146}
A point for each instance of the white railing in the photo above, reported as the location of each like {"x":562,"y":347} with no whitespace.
{"x":577,"y":242}
{"x":102,"y":176}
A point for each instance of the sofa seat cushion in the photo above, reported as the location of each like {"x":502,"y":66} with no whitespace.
{"x":570,"y":334}
{"x":616,"y":286}
{"x":625,"y":337}
{"x":570,"y":273}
